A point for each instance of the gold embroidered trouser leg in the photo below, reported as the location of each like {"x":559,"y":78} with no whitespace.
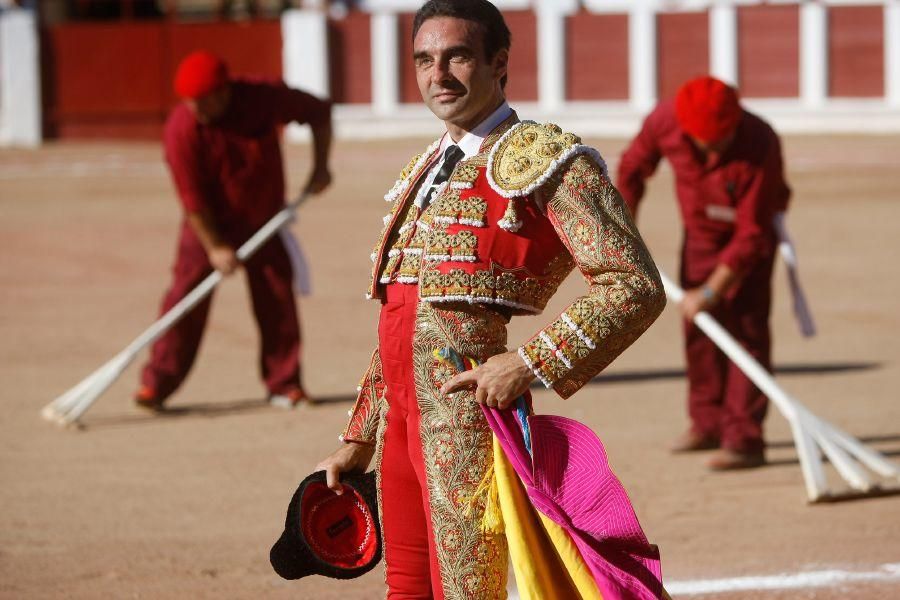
{"x":457,"y":451}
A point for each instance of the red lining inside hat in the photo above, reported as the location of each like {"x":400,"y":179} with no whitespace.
{"x":340,"y":530}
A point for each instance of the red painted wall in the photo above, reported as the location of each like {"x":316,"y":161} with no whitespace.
{"x":682,"y":49}
{"x":769,"y":51}
{"x":91,"y":83}
{"x":115,"y":79}
{"x":350,"y":56}
{"x":250,"y":48}
{"x":856,"y":51}
{"x":523,"y":66}
{"x":596,"y":56}
{"x":409,"y":91}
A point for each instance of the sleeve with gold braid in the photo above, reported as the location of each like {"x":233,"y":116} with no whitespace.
{"x":625,"y":291}
{"x":364,"y":416}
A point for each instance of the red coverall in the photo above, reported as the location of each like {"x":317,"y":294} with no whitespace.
{"x":233,"y":168}
{"x":727,"y":207}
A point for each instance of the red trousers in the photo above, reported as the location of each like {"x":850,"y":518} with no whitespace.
{"x":412,"y":569}
{"x":269,"y":276}
{"x":722,"y":401}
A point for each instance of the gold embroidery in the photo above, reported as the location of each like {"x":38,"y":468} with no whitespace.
{"x":451,"y":208}
{"x":381,"y":408}
{"x":464,"y":173}
{"x":528,"y":153}
{"x":441,"y":246}
{"x":410,"y":265}
{"x":457,"y":445}
{"x":399,"y":241}
{"x":528,"y":294}
{"x":625,"y":295}
{"x":364,"y":415}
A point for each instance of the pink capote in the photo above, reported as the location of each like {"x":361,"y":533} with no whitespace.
{"x":568,"y":479}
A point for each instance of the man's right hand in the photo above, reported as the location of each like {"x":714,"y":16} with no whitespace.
{"x":223,"y":259}
{"x":351,"y":457}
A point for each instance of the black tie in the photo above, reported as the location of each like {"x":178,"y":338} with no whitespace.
{"x":452,"y":155}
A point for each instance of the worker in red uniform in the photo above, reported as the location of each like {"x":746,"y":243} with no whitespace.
{"x":730,"y":184}
{"x":222,"y":145}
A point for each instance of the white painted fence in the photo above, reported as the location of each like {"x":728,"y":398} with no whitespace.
{"x":305,"y":56}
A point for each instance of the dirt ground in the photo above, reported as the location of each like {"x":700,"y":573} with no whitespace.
{"x":187,"y":505}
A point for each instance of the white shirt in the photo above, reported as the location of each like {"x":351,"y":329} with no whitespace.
{"x":470,"y":144}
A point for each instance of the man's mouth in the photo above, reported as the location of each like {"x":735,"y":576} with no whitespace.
{"x":447,"y":96}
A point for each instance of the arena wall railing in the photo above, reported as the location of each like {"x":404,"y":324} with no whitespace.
{"x":593,"y":66}
{"x":20,"y":90}
{"x":830,"y":66}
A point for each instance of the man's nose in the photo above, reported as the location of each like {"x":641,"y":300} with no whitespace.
{"x":442,"y":71}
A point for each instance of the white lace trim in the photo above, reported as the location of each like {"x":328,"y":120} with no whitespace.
{"x":442,"y":258}
{"x":578,"y":331}
{"x":481,"y":300}
{"x":537,"y":373}
{"x":453,"y":221}
{"x":401,"y":185}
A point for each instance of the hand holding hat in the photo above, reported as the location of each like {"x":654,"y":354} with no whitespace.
{"x":336,"y":535}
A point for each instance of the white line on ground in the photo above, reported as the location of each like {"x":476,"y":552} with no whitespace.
{"x":886,"y":573}
{"x":809,"y":579}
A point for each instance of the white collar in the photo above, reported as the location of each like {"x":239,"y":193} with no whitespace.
{"x":470,"y":143}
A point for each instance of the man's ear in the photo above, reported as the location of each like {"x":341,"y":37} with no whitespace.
{"x":501,"y":63}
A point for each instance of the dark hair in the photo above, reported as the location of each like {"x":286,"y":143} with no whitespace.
{"x":482,"y":12}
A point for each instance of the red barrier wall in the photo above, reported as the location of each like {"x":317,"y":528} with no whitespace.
{"x":350,"y":58}
{"x":409,"y":91}
{"x":769,"y":51}
{"x":596,"y":56}
{"x":114,"y":79}
{"x":856,"y":51}
{"x":523,"y":68}
{"x":682,"y":49}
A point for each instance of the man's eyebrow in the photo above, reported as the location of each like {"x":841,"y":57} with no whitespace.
{"x":459,"y":49}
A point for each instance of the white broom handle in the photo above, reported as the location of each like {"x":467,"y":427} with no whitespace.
{"x":205,"y":287}
{"x":72,"y":404}
{"x":803,"y":423}
{"x":790,"y":407}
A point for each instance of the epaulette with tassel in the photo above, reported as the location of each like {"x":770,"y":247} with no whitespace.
{"x":526,"y":157}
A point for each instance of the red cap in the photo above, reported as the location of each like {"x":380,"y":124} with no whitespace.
{"x":200,"y":73}
{"x":708,"y":109}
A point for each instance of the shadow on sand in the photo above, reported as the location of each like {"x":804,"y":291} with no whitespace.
{"x":640,"y":376}
{"x":206,"y":410}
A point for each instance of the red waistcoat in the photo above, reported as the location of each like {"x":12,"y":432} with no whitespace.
{"x":485,"y":237}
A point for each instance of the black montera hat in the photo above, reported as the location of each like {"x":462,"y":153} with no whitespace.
{"x":329,"y":534}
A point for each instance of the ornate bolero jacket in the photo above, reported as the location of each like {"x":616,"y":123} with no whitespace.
{"x":505,"y":230}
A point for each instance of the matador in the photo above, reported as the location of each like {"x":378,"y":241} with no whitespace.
{"x":483,"y":225}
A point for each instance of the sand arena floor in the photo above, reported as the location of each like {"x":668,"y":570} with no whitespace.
{"x":187,"y":505}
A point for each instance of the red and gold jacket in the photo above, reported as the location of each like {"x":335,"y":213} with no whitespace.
{"x":505,"y":230}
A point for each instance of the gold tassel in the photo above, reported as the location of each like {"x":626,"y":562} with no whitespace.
{"x":510,"y":220}
{"x":492,"y":519}
{"x":492,"y":522}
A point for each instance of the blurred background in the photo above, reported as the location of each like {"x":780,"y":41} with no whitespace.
{"x":76,"y":69}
